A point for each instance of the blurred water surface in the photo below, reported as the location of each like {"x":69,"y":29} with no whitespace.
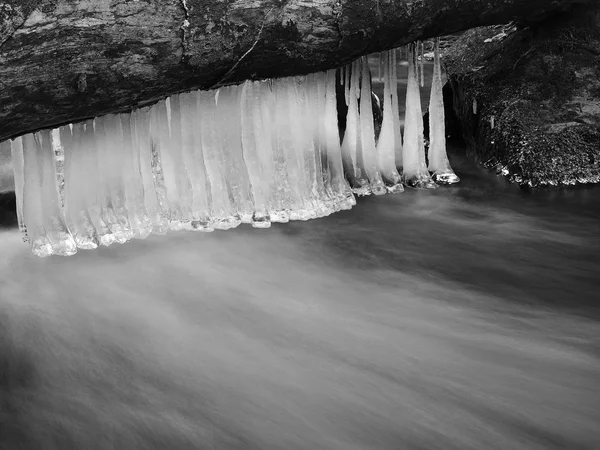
{"x":461,"y":318}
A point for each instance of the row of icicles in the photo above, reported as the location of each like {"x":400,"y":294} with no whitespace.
{"x":261,"y":152}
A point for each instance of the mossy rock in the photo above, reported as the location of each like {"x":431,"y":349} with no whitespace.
{"x":528,"y":97}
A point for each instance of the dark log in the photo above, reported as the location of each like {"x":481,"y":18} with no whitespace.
{"x":67,"y":60}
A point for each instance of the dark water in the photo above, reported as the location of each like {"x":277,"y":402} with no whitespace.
{"x":465,"y":318}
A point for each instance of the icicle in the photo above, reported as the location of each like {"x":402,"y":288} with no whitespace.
{"x":177,"y":181}
{"x":163,"y":167}
{"x":224,"y":216}
{"x":313,"y":176}
{"x":438,"y":159}
{"x":149,"y":170}
{"x":368,"y":133}
{"x":396,"y":113}
{"x":59,"y":163}
{"x":285,"y":163}
{"x":302,"y":144}
{"x":109,"y":139}
{"x":386,"y":158}
{"x":493,"y":122}
{"x":56,"y":229}
{"x":351,"y":142}
{"x":236,"y":171}
{"x":474,"y":106}
{"x":251,"y":134}
{"x":33,"y":213}
{"x":317,"y":99}
{"x":141,"y":225}
{"x":348,"y":68}
{"x":158,"y":178}
{"x":361,"y":181}
{"x":76,"y":189}
{"x":341,"y":189}
{"x":279,"y":192}
{"x":81,"y":156}
{"x":258,"y":153}
{"x":313,"y":158}
{"x":47,"y":231}
{"x":422,"y":63}
{"x":193,"y":159}
{"x":415,"y":169}
{"x":16,"y":149}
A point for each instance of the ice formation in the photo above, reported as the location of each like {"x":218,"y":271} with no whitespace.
{"x":415,"y":170}
{"x":257,"y":153}
{"x":389,"y":145}
{"x":439,"y":165}
{"x":371,"y":166}
{"x":352,"y":141}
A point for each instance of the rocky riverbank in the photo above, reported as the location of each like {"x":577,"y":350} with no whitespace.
{"x":528,"y":97}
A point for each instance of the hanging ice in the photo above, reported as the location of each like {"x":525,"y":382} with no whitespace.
{"x":42,"y":212}
{"x":359,"y":150}
{"x":149,"y":177}
{"x":387,"y":145}
{"x":343,"y":195}
{"x":438,"y":159}
{"x":77,"y":192}
{"x":369,"y":155}
{"x":258,"y":153}
{"x":16,"y":149}
{"x":415,"y":173}
{"x":398,"y":146}
{"x":352,"y":143}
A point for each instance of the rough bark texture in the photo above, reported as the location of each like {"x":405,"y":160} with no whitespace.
{"x":538,"y":98}
{"x":67,"y":60}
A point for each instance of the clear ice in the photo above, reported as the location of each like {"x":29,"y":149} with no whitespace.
{"x":439,"y":165}
{"x":390,"y":140}
{"x":16,"y":150}
{"x":361,"y":154}
{"x":416,"y":174}
{"x":257,"y":153}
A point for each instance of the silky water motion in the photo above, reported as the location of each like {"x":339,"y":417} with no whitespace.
{"x":260,"y":152}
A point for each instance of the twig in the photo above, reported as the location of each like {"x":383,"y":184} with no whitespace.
{"x":230,"y":71}
{"x":523,"y":56}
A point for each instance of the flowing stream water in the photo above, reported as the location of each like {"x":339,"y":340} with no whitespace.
{"x":461,"y":318}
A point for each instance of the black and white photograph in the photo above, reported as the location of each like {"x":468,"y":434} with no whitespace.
{"x":299,"y":225}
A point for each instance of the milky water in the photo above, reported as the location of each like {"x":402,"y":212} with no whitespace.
{"x":460,"y":318}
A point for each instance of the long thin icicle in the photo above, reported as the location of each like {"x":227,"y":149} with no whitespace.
{"x":33,"y":212}
{"x":341,"y":189}
{"x":351,"y":143}
{"x":16,"y":149}
{"x":267,"y":151}
{"x":54,"y":222}
{"x":369,"y":155}
{"x":252,"y":133}
{"x":416,"y":174}
{"x":193,"y":159}
{"x":77,"y":193}
{"x":386,"y":146}
{"x":398,"y":145}
{"x":438,"y":158}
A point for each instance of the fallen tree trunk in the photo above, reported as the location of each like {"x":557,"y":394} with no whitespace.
{"x":528,"y":100}
{"x":67,"y":60}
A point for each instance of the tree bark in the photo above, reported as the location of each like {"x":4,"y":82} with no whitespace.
{"x":66,"y":60}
